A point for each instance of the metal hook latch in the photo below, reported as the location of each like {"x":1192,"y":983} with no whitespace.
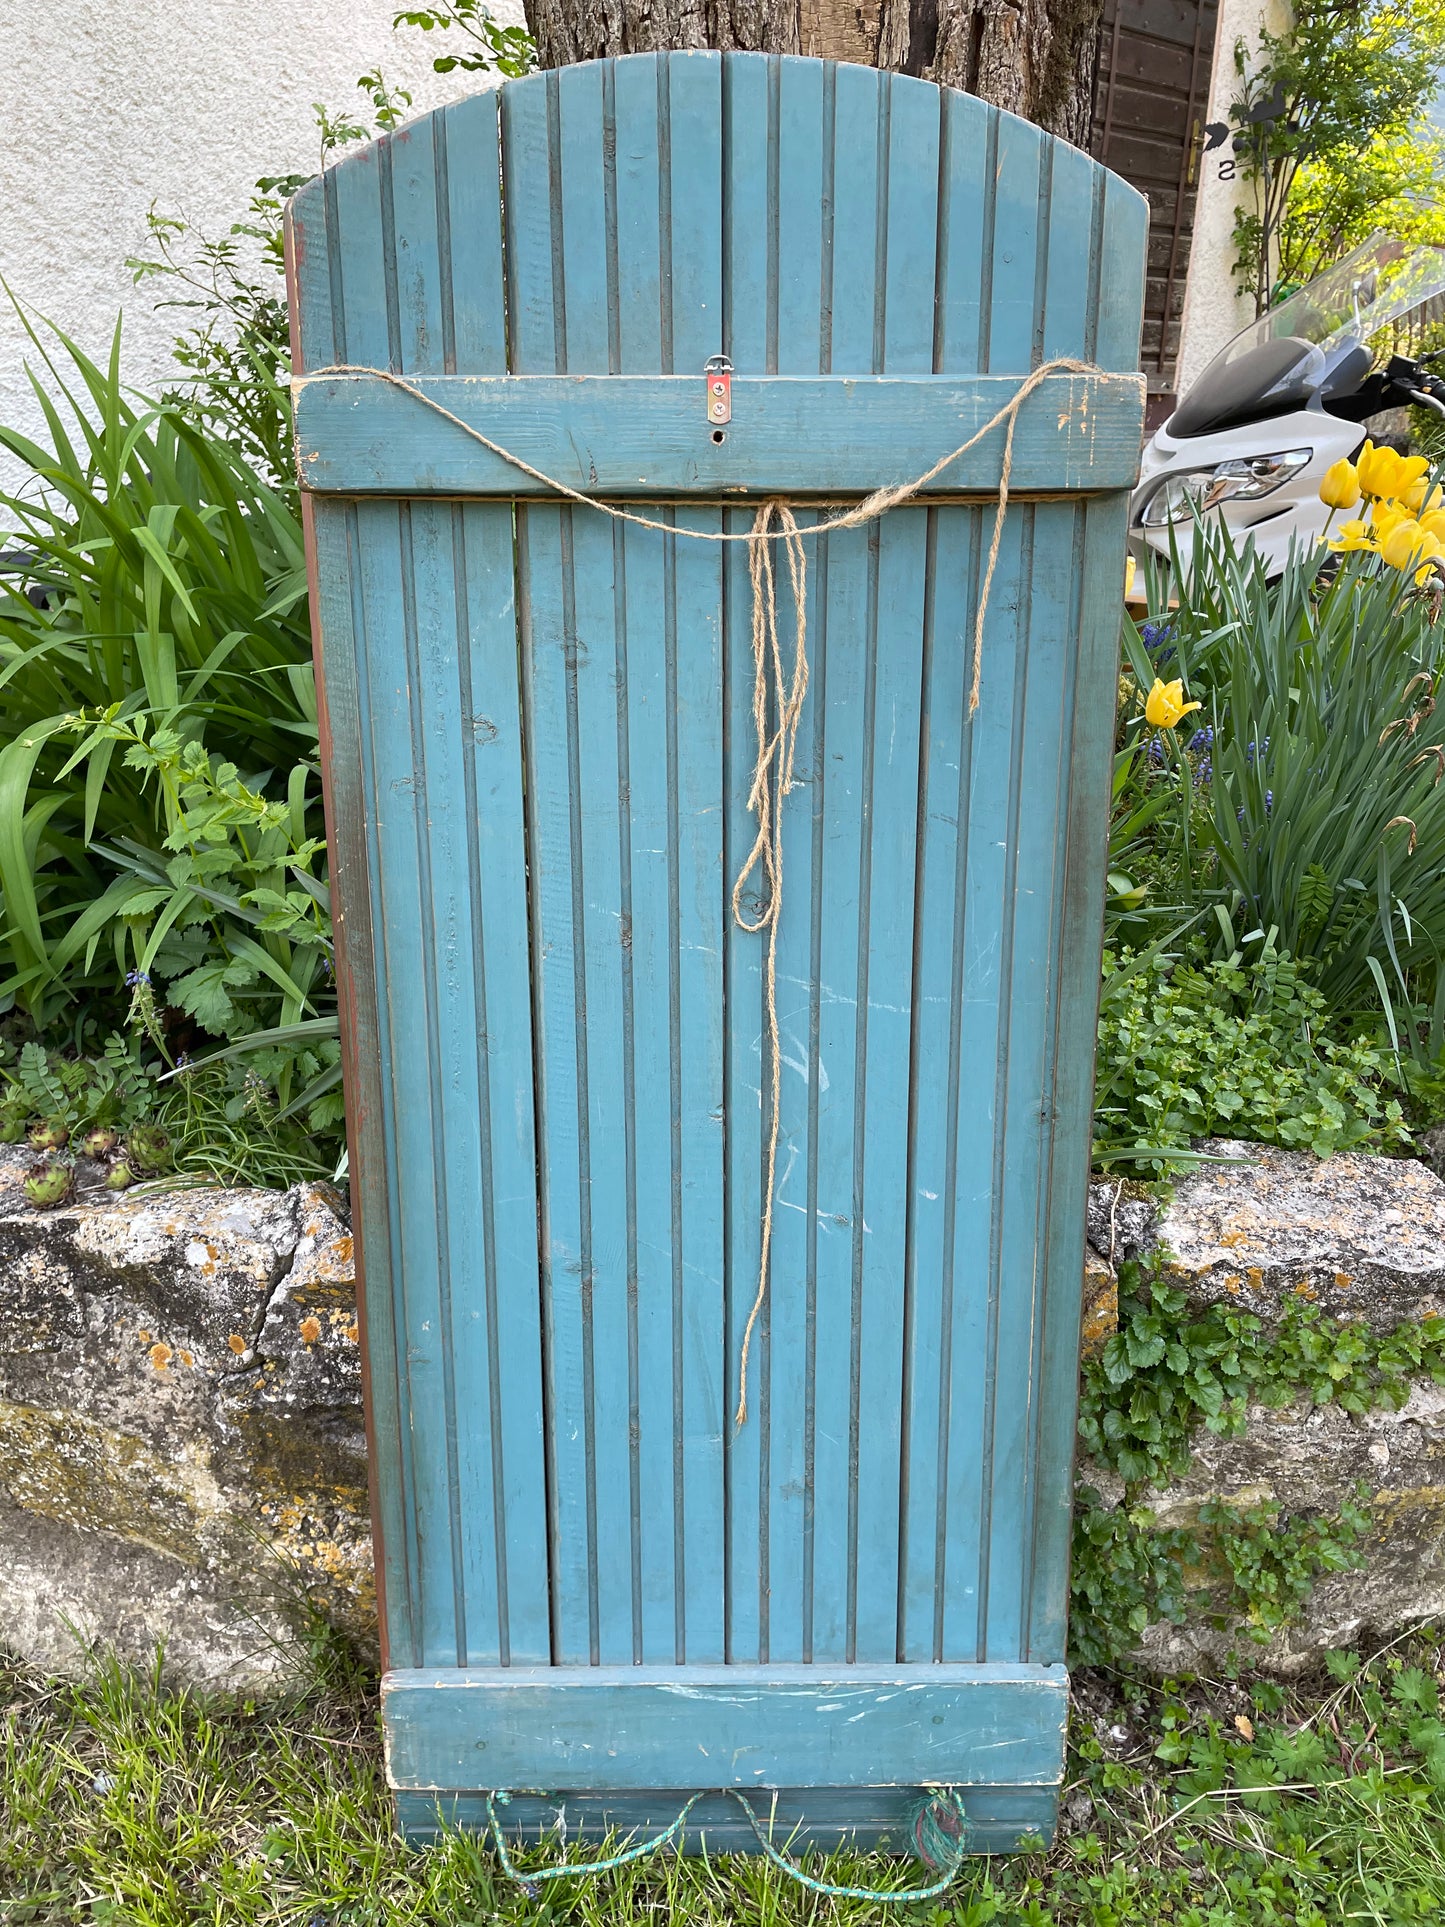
{"x":719,"y":372}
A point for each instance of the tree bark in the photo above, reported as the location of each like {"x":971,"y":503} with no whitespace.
{"x":1034,"y":57}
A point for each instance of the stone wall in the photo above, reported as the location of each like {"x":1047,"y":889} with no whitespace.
{"x":1363,"y":1238}
{"x":182,"y":1456}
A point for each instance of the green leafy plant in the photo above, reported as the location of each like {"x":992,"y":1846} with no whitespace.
{"x":1161,"y":1377}
{"x":235,"y":356}
{"x":1347,"y":83}
{"x":1318,"y":805}
{"x":138,"y":1116}
{"x":1234,"y":1048}
{"x":235,"y":904}
{"x":155,"y":595}
{"x":490,"y":48}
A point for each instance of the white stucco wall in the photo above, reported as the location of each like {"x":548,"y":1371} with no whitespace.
{"x":109,"y":105}
{"x":1213,"y":309}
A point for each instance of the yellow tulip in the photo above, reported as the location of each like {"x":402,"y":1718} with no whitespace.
{"x":1424,"y":574}
{"x":1422,"y":498}
{"x":1165,"y":705}
{"x":1340,"y":488}
{"x":1406,"y":544}
{"x":1354,"y":535}
{"x":1409,"y":473}
{"x":1433,"y":523}
{"x":1377,"y":469}
{"x":1386,"y":516}
{"x":1128,"y":576}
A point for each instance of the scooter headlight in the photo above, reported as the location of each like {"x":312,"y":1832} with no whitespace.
{"x":1190,"y":491}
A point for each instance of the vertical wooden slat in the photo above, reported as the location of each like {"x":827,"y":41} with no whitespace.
{"x":1026,"y":1068}
{"x":660,"y":1522}
{"x":551,"y":748}
{"x":797,"y":159}
{"x":989,"y":804}
{"x":1081,"y":919}
{"x":366,"y":284}
{"x":638,"y":237}
{"x":640,"y":581}
{"x":1064,"y":310}
{"x":318,"y":339}
{"x":499,"y":1326}
{"x":692,"y":269}
{"x":385,"y":575}
{"x":743,"y":1100}
{"x":935,"y":1296}
{"x":692,"y":246}
{"x":1121,"y":282}
{"x":409,"y":163}
{"x":693,"y":711}
{"x":491,"y":764}
{"x":845,"y":637}
{"x":536,"y":342}
{"x":371,"y":1168}
{"x":884,"y":1010}
{"x":846,"y":608}
{"x":477,"y":327}
{"x":597,"y":662}
{"x":749,"y":222}
{"x":969,"y":139}
{"x":1013,"y":257}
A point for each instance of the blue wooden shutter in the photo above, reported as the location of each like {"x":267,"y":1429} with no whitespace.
{"x":538,"y":732}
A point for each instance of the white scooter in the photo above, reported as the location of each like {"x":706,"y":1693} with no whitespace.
{"x":1251,"y":440}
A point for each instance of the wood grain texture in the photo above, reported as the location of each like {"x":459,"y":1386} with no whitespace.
{"x":628,"y":1728}
{"x":541,"y":744}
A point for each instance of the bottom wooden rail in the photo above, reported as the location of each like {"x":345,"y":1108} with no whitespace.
{"x":798,"y":1819}
{"x":847,"y":1748}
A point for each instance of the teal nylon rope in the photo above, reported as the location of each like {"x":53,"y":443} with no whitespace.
{"x":908,"y":1897}
{"x":954,"y":1848}
{"x":577,"y":1869}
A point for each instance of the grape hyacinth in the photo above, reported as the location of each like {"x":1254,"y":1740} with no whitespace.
{"x":1158,"y":635}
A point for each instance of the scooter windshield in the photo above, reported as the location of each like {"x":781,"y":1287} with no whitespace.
{"x":1317,"y":339}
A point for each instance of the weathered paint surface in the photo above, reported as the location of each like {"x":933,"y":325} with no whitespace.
{"x":629,"y":1728}
{"x":627,"y":436}
{"x":539,"y":728}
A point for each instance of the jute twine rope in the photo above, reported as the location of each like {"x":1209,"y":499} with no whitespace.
{"x":775,"y":693}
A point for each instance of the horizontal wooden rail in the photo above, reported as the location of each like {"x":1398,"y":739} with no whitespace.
{"x":618,"y":1728}
{"x":648,"y":437}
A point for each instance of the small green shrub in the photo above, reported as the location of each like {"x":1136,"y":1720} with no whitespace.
{"x":1163,"y":1374}
{"x":1160,"y":1378}
{"x":1235,"y":1049}
{"x":214,"y":1122}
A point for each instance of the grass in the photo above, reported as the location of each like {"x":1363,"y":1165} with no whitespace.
{"x":1198,"y":1804}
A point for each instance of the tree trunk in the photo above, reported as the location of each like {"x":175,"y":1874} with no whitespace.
{"x":1033,"y":57}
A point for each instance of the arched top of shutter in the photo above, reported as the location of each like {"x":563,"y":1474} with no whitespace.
{"x":639,"y":215}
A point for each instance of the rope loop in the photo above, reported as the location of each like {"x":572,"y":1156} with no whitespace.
{"x":956,"y":1854}
{"x":577,"y":1869}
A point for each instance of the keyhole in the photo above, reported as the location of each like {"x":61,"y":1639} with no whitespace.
{"x":719,"y":435}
